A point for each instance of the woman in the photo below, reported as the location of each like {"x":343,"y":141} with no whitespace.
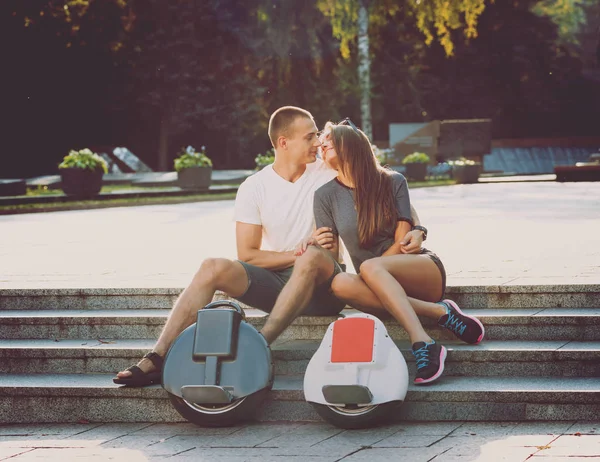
{"x":368,"y":207}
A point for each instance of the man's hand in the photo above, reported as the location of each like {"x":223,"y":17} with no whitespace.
{"x":412,"y":242}
{"x":301,"y":248}
{"x":324,"y":237}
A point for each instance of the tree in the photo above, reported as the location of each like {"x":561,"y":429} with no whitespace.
{"x":350,"y":20}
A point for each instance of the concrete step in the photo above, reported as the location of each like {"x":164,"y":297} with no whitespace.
{"x":507,"y":324}
{"x":40,"y":398}
{"x":491,"y":358}
{"x":492,"y":296}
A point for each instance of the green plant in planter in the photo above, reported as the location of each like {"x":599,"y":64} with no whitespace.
{"x":85,"y":159}
{"x":465,"y":170}
{"x":461,"y":162}
{"x":194,"y":169}
{"x":81,"y":173}
{"x":189,"y":157}
{"x":416,"y":158}
{"x":262,"y":160}
{"x":416,"y":166}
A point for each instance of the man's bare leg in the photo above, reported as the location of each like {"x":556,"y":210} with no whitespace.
{"x":214,"y":274}
{"x":314,"y":267}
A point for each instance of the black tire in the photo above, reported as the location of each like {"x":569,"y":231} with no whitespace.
{"x":217,"y":415}
{"x":357,"y":416}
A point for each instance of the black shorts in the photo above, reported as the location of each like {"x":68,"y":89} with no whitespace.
{"x":440,"y":266}
{"x":264,"y":286}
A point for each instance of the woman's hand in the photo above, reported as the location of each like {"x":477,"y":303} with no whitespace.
{"x":412,"y":242}
{"x":324,"y":237}
{"x":303,"y":245}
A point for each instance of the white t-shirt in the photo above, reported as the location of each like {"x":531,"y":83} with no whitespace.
{"x":283,"y":209}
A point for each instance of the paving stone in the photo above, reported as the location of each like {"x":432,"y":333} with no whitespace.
{"x":63,"y":454}
{"x":56,"y":430}
{"x":256,"y":434}
{"x":300,"y":436}
{"x":385,"y":454}
{"x":586,"y":428}
{"x":9,"y":453}
{"x":104,"y":433}
{"x":354,"y":439}
{"x":184,"y":429}
{"x":400,"y":440}
{"x":165,"y":445}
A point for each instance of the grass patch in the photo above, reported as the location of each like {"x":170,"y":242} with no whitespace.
{"x":42,"y":191}
{"x":100,"y":204}
{"x":430,"y":183}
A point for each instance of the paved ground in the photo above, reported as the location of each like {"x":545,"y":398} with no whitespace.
{"x":513,"y":233}
{"x":413,"y":442}
{"x":517,"y":233}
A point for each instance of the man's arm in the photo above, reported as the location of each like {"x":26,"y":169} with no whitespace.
{"x":248,"y":239}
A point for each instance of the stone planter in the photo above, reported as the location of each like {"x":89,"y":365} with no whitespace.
{"x":465,"y":174}
{"x":416,"y":172}
{"x":194,"y":178}
{"x":81,"y":182}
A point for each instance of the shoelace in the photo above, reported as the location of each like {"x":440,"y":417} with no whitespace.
{"x":422,"y":357}
{"x":455,"y":324}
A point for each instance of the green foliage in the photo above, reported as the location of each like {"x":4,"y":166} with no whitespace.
{"x":416,"y":158}
{"x":265,"y":159}
{"x":189,"y":157}
{"x":435,"y":19}
{"x":461,"y":161}
{"x":568,"y":15}
{"x":84,"y":158}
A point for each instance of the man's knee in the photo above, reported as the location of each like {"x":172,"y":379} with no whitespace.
{"x":313,"y":260}
{"x":213,"y":271}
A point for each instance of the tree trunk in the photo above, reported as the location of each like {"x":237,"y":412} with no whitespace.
{"x":364,"y":67}
{"x":163,"y":145}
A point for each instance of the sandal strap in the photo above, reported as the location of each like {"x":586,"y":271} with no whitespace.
{"x":156,"y":359}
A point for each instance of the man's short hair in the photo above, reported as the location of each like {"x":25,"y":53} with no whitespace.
{"x":282,"y":118}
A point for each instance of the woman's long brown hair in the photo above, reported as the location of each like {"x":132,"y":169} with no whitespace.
{"x":374,"y":196}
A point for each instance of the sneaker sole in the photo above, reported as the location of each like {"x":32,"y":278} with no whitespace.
{"x":443,"y":354}
{"x":472,"y":318}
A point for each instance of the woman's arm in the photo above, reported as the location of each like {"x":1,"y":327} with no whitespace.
{"x":326,"y":233}
{"x":402,"y":228}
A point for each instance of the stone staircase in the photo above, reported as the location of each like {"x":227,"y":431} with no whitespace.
{"x":540,"y":359}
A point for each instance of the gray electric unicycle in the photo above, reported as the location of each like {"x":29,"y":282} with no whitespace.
{"x":219,"y":370}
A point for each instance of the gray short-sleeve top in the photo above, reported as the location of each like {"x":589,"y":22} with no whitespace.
{"x":334,"y":208}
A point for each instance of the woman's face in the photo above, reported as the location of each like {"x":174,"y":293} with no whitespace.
{"x":328,"y":151}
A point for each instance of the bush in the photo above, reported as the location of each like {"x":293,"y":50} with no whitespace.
{"x":262,"y":160}
{"x":84,"y":159}
{"x":416,"y":158}
{"x":461,"y":161}
{"x":189,"y":157}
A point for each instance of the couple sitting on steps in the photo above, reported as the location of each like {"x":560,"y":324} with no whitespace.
{"x":287,"y":268}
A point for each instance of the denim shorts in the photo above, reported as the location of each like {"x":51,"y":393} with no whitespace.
{"x":264,"y":286}
{"x":440,"y":266}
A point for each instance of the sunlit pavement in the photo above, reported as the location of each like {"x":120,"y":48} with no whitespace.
{"x":486,"y":234}
{"x":414,"y":442}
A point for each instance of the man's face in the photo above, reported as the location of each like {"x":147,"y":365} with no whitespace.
{"x":302,"y":143}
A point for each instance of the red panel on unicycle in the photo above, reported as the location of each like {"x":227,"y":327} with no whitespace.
{"x":353,"y":340}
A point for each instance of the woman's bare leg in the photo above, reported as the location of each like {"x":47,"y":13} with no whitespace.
{"x":385,"y":285}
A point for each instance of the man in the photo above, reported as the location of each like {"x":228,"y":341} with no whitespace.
{"x":276,"y":271}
